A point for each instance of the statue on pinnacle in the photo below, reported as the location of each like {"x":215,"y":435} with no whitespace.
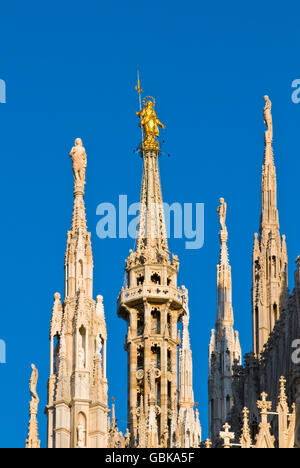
{"x":79,"y":160}
{"x":150,"y":123}
{"x":268,"y":119}
{"x":222,"y":210}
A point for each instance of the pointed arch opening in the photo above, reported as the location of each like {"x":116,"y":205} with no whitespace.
{"x":155,"y":279}
{"x":155,"y":321}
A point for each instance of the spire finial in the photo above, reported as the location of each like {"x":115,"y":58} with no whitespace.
{"x":222,"y":210}
{"x":282,"y":395}
{"x":269,"y":158}
{"x":245,"y":439}
{"x":268,"y":119}
{"x":227,"y":436}
{"x":79,"y":160}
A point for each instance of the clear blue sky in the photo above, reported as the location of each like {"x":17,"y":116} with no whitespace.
{"x":70,"y":69}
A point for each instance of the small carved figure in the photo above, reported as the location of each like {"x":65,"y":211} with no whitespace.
{"x":268,"y":113}
{"x":81,"y":358}
{"x":100,"y":306}
{"x":127,"y":438}
{"x":151,"y":378}
{"x":175,"y":262}
{"x":98,"y":344}
{"x":222,"y":210}
{"x":165,"y":438}
{"x":56,"y":359}
{"x":79,"y":160}
{"x":33,"y":383}
{"x":80,"y":436}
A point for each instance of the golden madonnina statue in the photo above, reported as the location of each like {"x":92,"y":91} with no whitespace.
{"x":150,"y":124}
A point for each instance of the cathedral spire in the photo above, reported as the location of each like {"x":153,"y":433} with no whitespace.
{"x":224,"y":282}
{"x":152,"y":306}
{"x":270,"y":217}
{"x":79,"y":161}
{"x":77,"y":391}
{"x":79,"y":257}
{"x":224,"y":348}
{"x":152,"y":237}
{"x":270,"y":274}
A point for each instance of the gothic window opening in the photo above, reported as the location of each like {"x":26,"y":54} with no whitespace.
{"x":140,"y":358}
{"x":55,"y":357}
{"x":80,"y":265}
{"x":140,"y":323}
{"x":140,"y":280}
{"x":275,"y":314}
{"x":158,"y":392}
{"x":169,"y":325}
{"x":155,"y":322}
{"x":256,"y":330}
{"x":257,"y":268}
{"x":169,"y":361}
{"x":158,"y":426}
{"x":155,"y":356}
{"x":228,"y":407}
{"x":274,"y":266}
{"x":169,"y":281}
{"x":169,"y":396}
{"x":81,"y":354}
{"x":155,"y":279}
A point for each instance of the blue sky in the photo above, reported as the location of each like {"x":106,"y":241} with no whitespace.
{"x":70,"y":70}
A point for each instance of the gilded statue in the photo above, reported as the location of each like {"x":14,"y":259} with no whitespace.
{"x":150,"y":123}
{"x":79,"y":160}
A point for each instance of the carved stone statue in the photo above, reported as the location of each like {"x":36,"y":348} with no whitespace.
{"x":127,"y":438}
{"x":150,"y":124}
{"x":98,"y":344}
{"x":32,"y":387}
{"x":165,"y":438}
{"x":32,"y":441}
{"x":79,"y":160}
{"x":175,"y":262}
{"x":222,"y":210}
{"x":80,"y":436}
{"x":81,"y":358}
{"x":151,"y":378}
{"x":100,"y":307}
{"x":268,"y":113}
